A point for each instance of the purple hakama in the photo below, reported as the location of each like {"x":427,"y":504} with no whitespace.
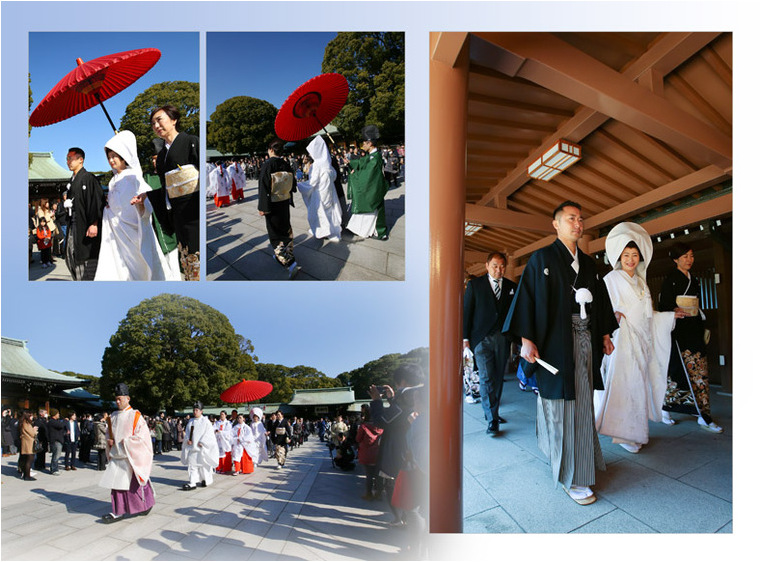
{"x":135,"y":500}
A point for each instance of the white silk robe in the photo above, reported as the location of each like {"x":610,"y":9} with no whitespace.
{"x":634,"y":375}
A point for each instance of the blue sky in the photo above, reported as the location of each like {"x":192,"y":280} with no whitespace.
{"x":268,"y":66}
{"x":53,"y":55}
{"x":334,"y":327}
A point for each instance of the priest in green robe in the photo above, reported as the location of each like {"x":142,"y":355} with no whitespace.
{"x":367,"y":189}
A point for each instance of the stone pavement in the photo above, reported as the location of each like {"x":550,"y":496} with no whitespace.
{"x":681,"y":482}
{"x":59,"y":271}
{"x":306,"y":511}
{"x":237,"y":246}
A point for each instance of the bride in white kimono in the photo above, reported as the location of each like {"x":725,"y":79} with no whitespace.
{"x":129,"y":249}
{"x":635,"y":373}
{"x":260,"y":436}
{"x":320,"y":198}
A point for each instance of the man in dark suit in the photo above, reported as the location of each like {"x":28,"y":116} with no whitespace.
{"x":487,"y":300}
{"x":71,"y":441}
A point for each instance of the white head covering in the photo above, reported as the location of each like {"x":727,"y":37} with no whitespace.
{"x":319,"y":152}
{"x":125,"y":145}
{"x":620,"y":236}
{"x":256,"y":412}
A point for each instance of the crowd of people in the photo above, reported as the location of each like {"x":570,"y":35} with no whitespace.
{"x":389,"y":442}
{"x":144,"y":228}
{"x":319,"y":176}
{"x":602,"y":358}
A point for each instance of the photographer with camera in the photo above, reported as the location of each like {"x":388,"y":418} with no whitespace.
{"x":395,"y":422}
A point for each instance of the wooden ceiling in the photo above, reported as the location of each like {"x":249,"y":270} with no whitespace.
{"x":651,"y":111}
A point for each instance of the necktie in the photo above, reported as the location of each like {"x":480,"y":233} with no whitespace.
{"x":497,"y":290}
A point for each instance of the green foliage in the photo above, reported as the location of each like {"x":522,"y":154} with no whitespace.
{"x":172,"y":350}
{"x":29,"y":132}
{"x":373,"y":64}
{"x":242,"y":125}
{"x":285,"y":380}
{"x":91,"y":379}
{"x":185,"y":96}
{"x":380,"y":371}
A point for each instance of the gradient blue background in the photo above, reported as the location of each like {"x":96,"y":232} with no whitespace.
{"x":365,"y":320}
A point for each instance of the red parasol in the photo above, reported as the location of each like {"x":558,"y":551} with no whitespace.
{"x":91,"y":83}
{"x":246,"y":391}
{"x":313,"y":105}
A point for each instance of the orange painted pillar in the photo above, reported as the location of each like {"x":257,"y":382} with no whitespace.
{"x":448,"y":130}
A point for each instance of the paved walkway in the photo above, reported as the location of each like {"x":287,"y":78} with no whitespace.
{"x":307,"y":511}
{"x":238,"y":248}
{"x":59,"y":271}
{"x":681,"y":482}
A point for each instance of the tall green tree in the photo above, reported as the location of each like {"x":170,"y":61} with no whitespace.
{"x":172,"y":350}
{"x":373,"y":64}
{"x":185,"y":96}
{"x":242,"y":124}
{"x":381,"y":371}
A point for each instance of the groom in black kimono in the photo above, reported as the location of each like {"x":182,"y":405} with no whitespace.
{"x":85,"y":199}
{"x":554,"y":326}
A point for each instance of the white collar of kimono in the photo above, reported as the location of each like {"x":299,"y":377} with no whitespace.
{"x":318,"y":150}
{"x":575,"y":256}
{"x":620,"y":236}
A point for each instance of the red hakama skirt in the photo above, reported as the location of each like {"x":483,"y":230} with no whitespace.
{"x":237,"y":192}
{"x":225,"y":463}
{"x":245,"y":465}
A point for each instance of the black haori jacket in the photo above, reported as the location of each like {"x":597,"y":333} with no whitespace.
{"x":542,"y":309}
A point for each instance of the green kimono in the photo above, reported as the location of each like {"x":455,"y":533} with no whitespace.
{"x":167,"y":242}
{"x":367,"y":188}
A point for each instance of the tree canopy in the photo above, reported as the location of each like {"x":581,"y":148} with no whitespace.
{"x":185,"y":96}
{"x":172,"y":350}
{"x":285,"y":380}
{"x":380,"y":371}
{"x":373,"y":64}
{"x":242,"y":124}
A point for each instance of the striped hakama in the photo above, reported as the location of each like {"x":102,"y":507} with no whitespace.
{"x":565,"y":429}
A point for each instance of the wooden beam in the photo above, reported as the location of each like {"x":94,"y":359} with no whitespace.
{"x":447,"y":47}
{"x":664,"y":56}
{"x":474,"y":256}
{"x":563,"y":69}
{"x":715,"y":208}
{"x":687,"y":185}
{"x":490,"y":216}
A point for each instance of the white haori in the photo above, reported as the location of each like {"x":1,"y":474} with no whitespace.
{"x":132,"y":452}
{"x":223,"y":431}
{"x":319,"y":193}
{"x":203,"y":451}
{"x":635,"y":374}
{"x":242,"y":439}
{"x":129,"y":248}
